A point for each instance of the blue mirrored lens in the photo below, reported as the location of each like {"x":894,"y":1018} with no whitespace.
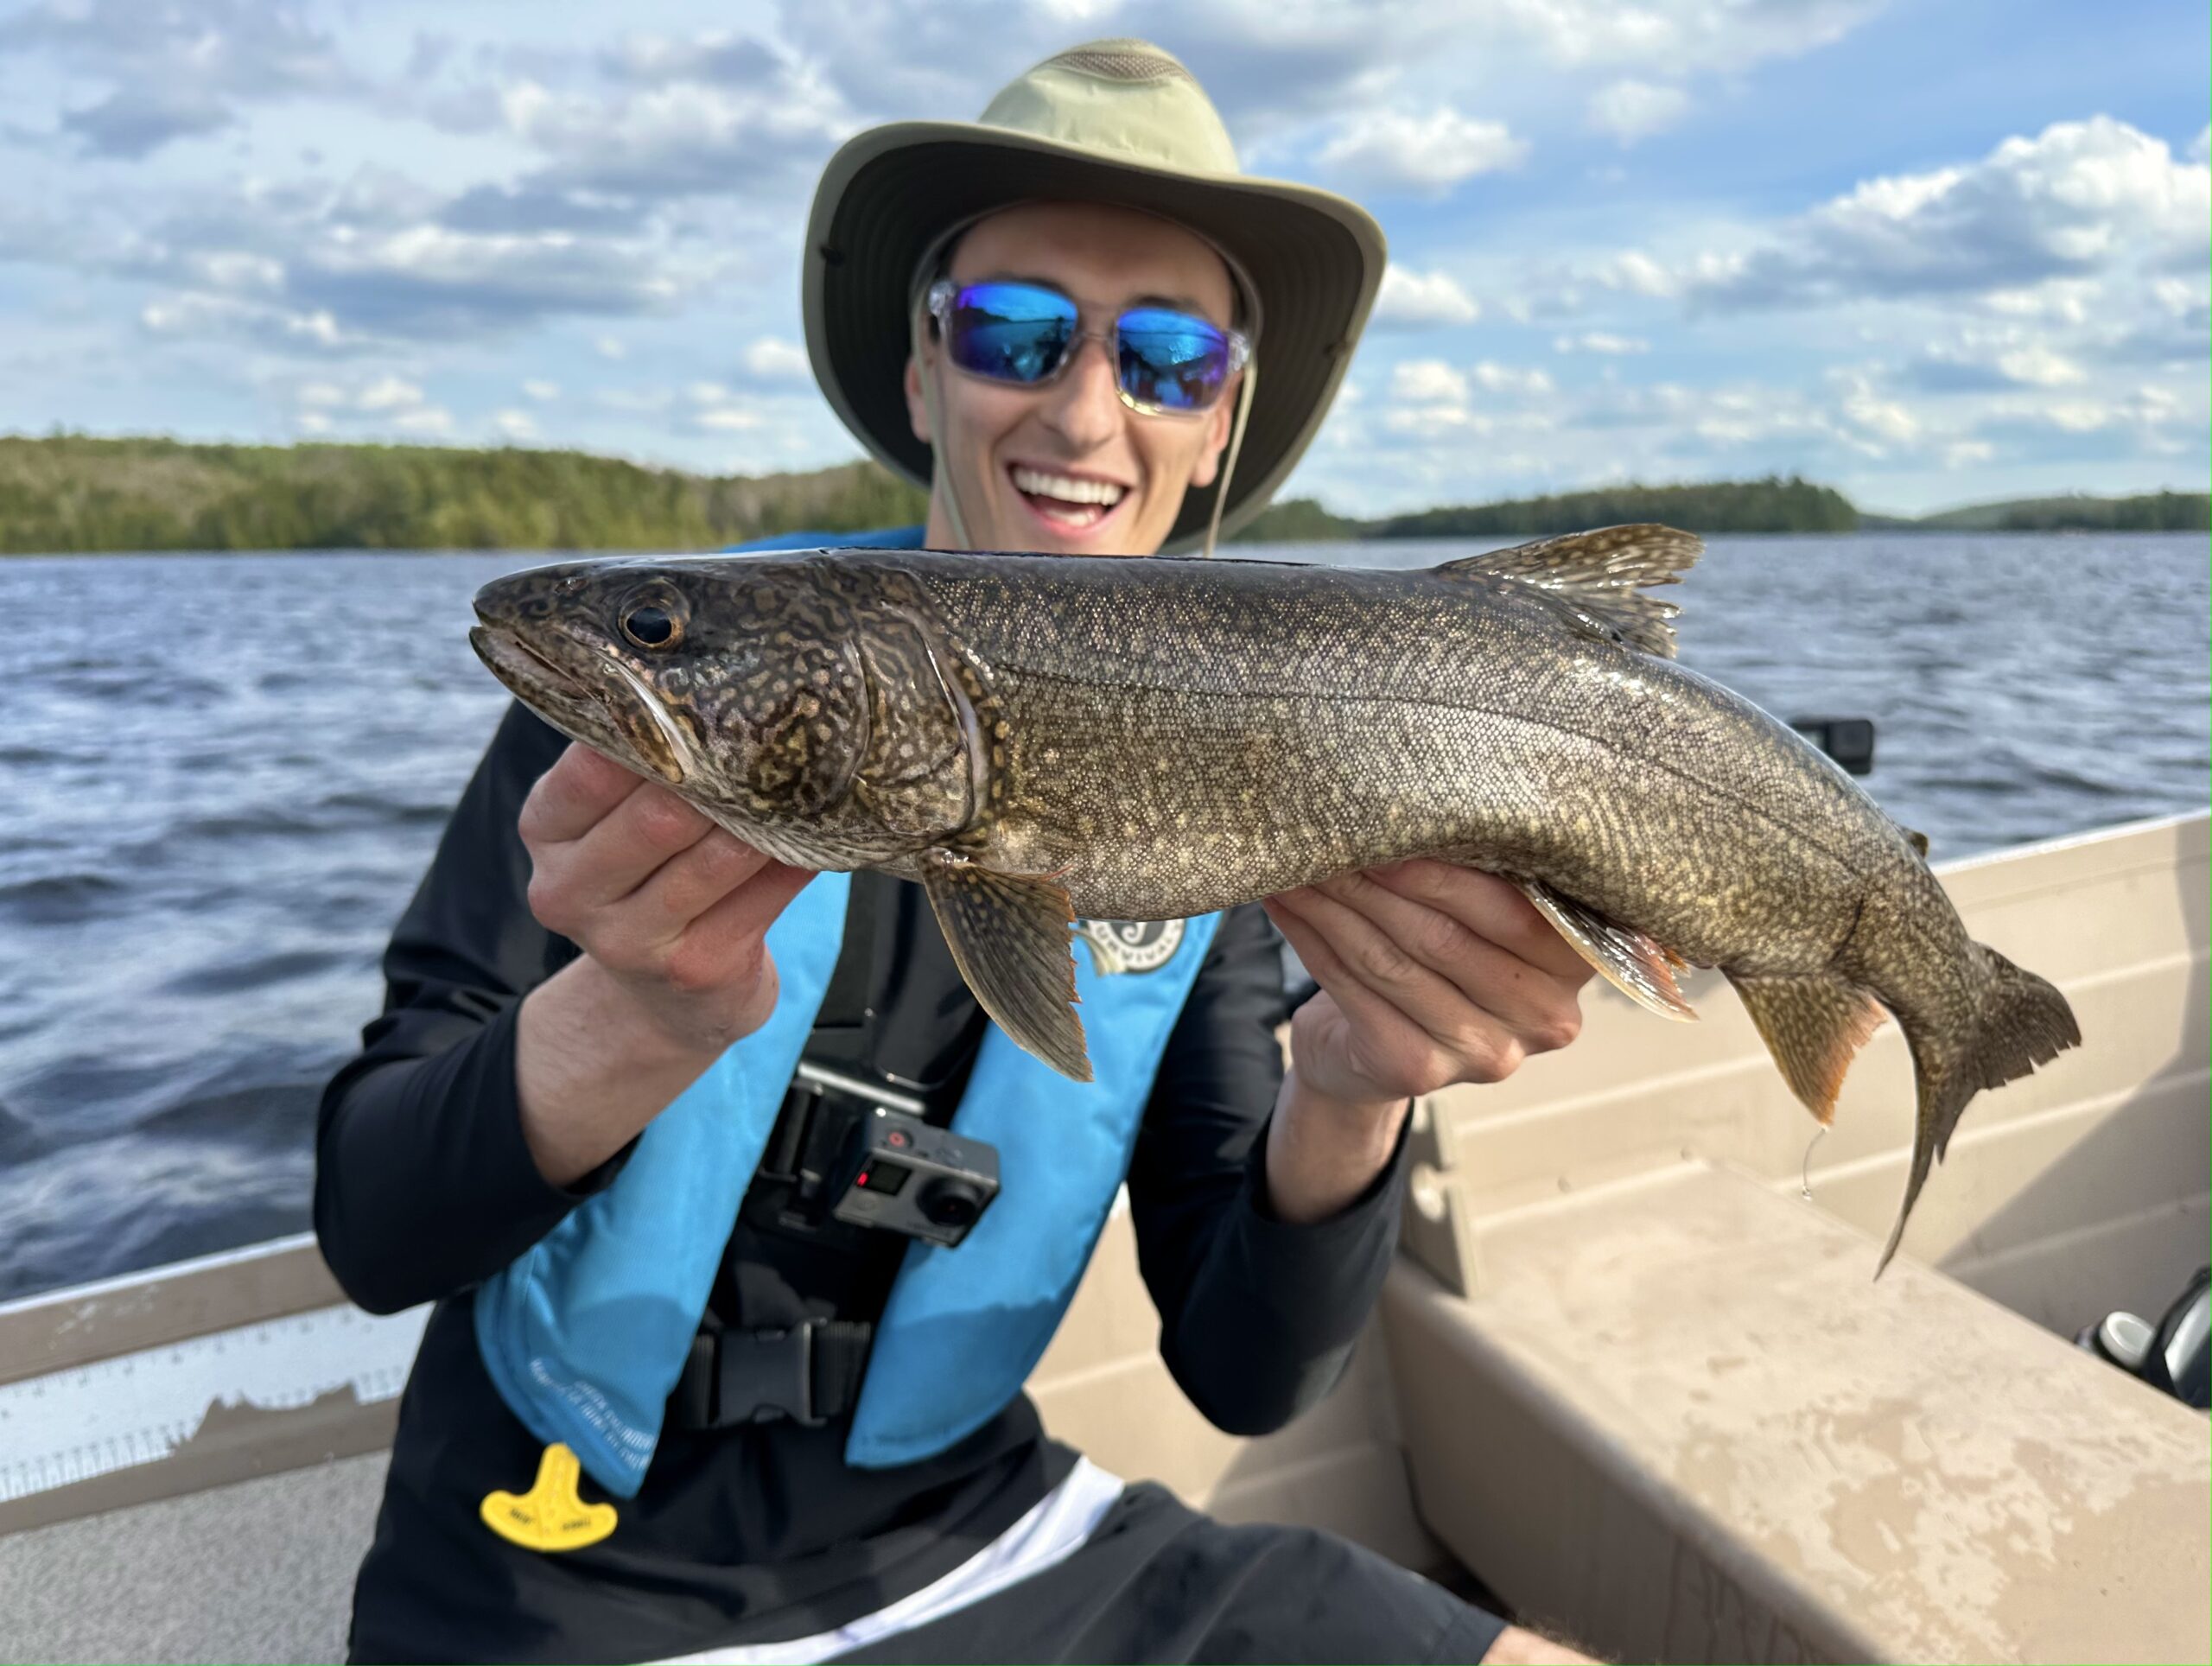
{"x":1171,"y":360}
{"x":1012,"y":332}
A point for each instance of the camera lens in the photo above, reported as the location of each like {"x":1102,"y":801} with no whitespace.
{"x":952,"y":1202}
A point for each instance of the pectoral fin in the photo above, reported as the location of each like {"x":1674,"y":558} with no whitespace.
{"x":1633,"y":964}
{"x":1813,"y":1027}
{"x":1009,"y":936}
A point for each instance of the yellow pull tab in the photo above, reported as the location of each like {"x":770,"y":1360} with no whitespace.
{"x":552,"y":1515}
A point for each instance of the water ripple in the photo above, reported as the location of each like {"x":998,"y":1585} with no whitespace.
{"x":205,"y":837}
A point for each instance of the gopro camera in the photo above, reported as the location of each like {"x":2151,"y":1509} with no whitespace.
{"x":901,"y":1174}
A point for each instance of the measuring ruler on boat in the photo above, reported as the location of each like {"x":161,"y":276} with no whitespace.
{"x":135,"y":1409}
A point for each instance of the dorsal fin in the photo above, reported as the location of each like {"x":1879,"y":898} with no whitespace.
{"x":1595,"y":577}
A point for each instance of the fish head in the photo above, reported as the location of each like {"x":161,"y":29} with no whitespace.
{"x":749,"y":686}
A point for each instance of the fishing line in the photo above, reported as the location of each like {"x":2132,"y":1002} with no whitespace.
{"x":1805,"y":1176}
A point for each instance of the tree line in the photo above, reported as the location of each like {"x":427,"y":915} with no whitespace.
{"x":71,"y":494}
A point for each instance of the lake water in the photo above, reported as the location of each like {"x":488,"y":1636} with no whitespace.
{"x":221,"y":776}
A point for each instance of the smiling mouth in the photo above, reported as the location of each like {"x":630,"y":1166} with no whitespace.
{"x":1066,"y":503}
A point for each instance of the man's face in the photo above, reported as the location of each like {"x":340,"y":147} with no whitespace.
{"x":1007,"y":448}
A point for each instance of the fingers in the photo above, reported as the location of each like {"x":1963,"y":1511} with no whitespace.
{"x":1491,"y":907}
{"x":1536,"y":1004}
{"x":574,"y":795}
{"x":722,"y":943}
{"x":693,"y":881}
{"x":1373,"y":963}
{"x":614,"y":857}
{"x":1369,"y":1013}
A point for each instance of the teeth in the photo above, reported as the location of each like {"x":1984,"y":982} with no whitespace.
{"x":1067,"y":489}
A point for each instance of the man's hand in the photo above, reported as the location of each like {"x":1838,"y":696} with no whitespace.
{"x":1430,"y":974}
{"x":672,"y":915}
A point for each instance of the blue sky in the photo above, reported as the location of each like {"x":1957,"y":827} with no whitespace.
{"x":1931,"y":252}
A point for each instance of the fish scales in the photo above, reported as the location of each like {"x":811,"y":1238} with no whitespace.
{"x":1037,"y":738}
{"x":1286,"y":721}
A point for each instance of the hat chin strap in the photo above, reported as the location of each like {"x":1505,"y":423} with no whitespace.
{"x":946,"y":495}
{"x":943,"y":494}
{"x":1229,"y":457}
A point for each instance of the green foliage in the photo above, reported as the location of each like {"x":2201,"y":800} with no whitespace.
{"x":67,"y":493}
{"x":2155,"y":512}
{"x":1302,"y":520}
{"x":1772,"y":505}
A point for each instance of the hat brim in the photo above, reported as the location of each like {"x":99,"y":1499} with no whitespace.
{"x":1315,"y":259}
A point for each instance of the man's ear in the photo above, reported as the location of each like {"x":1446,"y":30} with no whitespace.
{"x":1218,"y":421}
{"x":918,"y":411}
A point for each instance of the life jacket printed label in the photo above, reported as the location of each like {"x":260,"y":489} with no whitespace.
{"x":1130,"y":945}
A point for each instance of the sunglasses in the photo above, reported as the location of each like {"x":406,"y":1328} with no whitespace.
{"x":1165,"y":362}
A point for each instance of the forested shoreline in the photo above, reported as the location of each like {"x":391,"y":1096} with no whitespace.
{"x":74,"y":494}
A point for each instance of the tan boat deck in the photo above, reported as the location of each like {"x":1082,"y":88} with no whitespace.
{"x":1641,"y":1386}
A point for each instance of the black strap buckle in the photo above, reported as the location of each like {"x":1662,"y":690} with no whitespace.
{"x":754,"y":1377}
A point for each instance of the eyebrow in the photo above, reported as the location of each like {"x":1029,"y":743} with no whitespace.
{"x":1178,"y":303}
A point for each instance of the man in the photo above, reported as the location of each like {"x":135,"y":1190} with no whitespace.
{"x":1080,"y":368}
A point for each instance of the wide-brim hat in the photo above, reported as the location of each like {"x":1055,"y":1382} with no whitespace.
{"x":1118,"y":122}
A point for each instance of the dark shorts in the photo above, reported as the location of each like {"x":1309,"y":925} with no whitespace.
{"x":1158,"y":1581}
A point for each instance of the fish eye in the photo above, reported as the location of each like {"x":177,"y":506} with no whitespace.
{"x":653,"y":618}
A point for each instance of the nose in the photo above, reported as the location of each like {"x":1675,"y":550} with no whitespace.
{"x":1082,"y":407}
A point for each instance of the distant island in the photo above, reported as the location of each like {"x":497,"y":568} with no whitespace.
{"x":70,"y":494}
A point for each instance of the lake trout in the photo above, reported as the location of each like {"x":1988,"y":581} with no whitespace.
{"x":1036,"y":739}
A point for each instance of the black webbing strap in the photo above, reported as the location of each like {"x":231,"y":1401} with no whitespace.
{"x":808,"y":1373}
{"x":844,"y":1002}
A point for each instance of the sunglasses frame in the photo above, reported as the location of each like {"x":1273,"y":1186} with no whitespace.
{"x":943,"y":293}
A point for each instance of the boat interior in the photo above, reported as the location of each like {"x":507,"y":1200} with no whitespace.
{"x":1632,"y":1375}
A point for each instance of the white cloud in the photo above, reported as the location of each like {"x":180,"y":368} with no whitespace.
{"x":2200,"y":148}
{"x":1632,"y":111}
{"x":382,"y":403}
{"x":2078,"y":198}
{"x":1389,"y":150}
{"x":772,"y":359}
{"x":1428,"y":382}
{"x":730,"y":418}
{"x":2038,"y":366}
{"x":513,"y":424}
{"x":424,"y":419}
{"x":1965,"y":454}
{"x":388,"y":393}
{"x":176,"y":71}
{"x":1728,"y":36}
{"x":545,"y":393}
{"x":1636,"y":272}
{"x":1506,"y":379}
{"x":679,"y":139}
{"x":1411,"y":300}
{"x":609,"y":348}
{"x":1600,"y":341}
{"x":1982,"y":360}
{"x":1865,"y":409}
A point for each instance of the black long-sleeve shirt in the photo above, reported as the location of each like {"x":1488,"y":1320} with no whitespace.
{"x":424,"y":1187}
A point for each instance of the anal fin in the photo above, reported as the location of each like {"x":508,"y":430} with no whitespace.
{"x":1639,"y":967}
{"x":1814,"y":1027}
{"x":1009,"y":936}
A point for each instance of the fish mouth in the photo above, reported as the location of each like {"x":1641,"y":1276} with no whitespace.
{"x":616,"y":713}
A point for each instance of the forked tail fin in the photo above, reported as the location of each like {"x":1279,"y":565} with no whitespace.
{"x":2023,"y":1022}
